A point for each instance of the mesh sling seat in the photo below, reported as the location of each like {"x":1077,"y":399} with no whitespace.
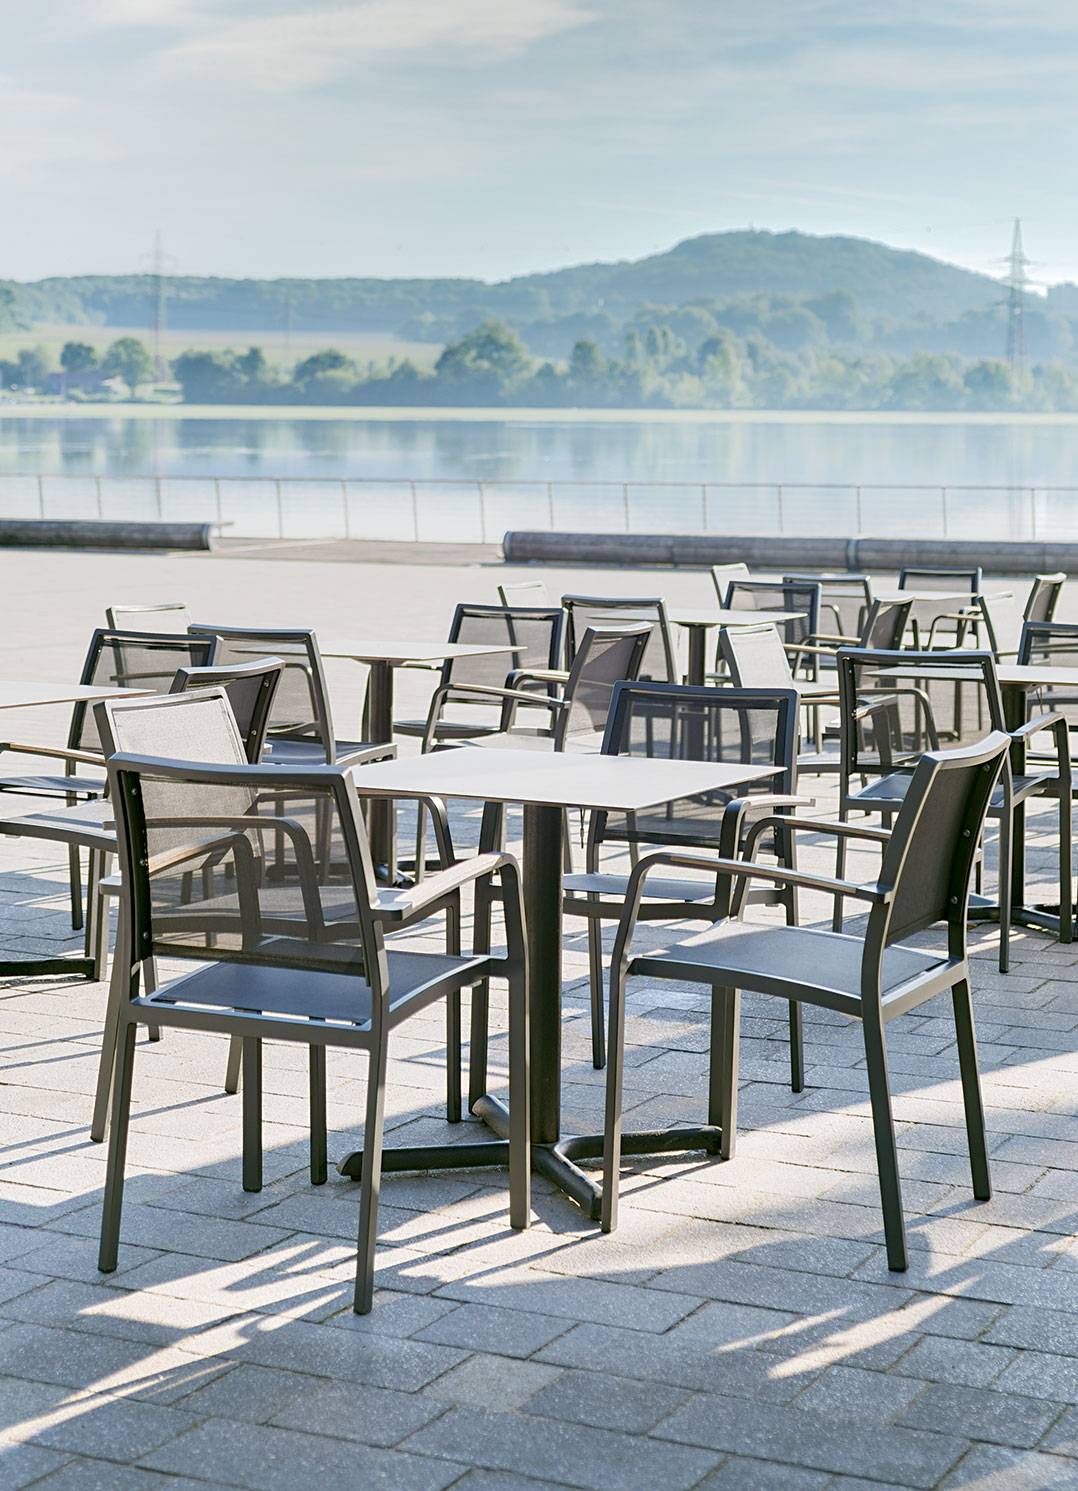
{"x":127,"y":659}
{"x":300,"y":731}
{"x":682,"y":722}
{"x":302,"y":956}
{"x":924,"y":881}
{"x":895,"y":705}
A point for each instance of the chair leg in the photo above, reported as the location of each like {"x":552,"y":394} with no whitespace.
{"x":480,"y":1003}
{"x":797,"y":1047}
{"x":840,"y":873}
{"x":232,"y":1068}
{"x":74,"y":873}
{"x":317,"y":1094}
{"x":1066,"y":902}
{"x":1006,"y":850}
{"x":89,"y":940}
{"x":370,"y":1178}
{"x":149,"y":979}
{"x":615,"y":1060}
{"x":119,"y":990}
{"x":595,"y":974}
{"x":420,"y":843}
{"x":971,"y":1090}
{"x":123,"y":1069}
{"x":252,"y":1113}
{"x":883,"y":1130}
{"x":452,"y":1022}
{"x":520,"y":1165}
{"x":723,"y":1067}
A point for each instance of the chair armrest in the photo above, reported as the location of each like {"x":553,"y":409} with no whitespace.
{"x":397,"y":905}
{"x":539,"y":675}
{"x":818,"y":826}
{"x":1057,"y":723}
{"x":84,"y":758}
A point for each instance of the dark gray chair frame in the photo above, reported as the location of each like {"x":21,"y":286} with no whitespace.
{"x":966,"y":621}
{"x":634,"y":606}
{"x":922,"y":883}
{"x":835,"y":587}
{"x":264,"y":674}
{"x":597,"y":896}
{"x":887,"y":795}
{"x":379,"y":912}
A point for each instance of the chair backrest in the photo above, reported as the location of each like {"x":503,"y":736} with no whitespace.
{"x":885,"y":624}
{"x":536,"y":631}
{"x":844,"y":601}
{"x":682,"y":722}
{"x":250,"y":688}
{"x":231,"y":863}
{"x":605,"y":657}
{"x":896,"y":705}
{"x":1053,"y":642}
{"x":779,"y":595}
{"x":301,"y":708}
{"x":1043,"y":597}
{"x":912,"y":577}
{"x":583,"y":611}
{"x":524,"y":593}
{"x":168,"y":616}
{"x":756,"y":657}
{"x":928,"y":860}
{"x":135,"y":660}
{"x":723,"y":576}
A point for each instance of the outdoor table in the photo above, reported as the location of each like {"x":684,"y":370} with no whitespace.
{"x":545,"y":785}
{"x":382,"y":658}
{"x":698,"y":622}
{"x":947,"y":597}
{"x":17,"y":695}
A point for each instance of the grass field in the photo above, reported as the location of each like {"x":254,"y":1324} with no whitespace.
{"x":362,"y":345}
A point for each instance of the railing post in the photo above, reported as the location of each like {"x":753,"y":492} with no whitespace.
{"x":550,"y":505}
{"x":860,"y":512}
{"x":482,"y":512}
{"x":217,"y":498}
{"x":344,"y":506}
{"x":41,"y":496}
{"x":280,"y":508}
{"x":625,"y":503}
{"x":703,"y":507}
{"x":782,"y":522}
{"x":97,"y":494}
{"x":943,"y":509}
{"x":415,"y":513}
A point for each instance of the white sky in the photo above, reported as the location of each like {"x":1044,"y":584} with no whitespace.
{"x":494,"y":137}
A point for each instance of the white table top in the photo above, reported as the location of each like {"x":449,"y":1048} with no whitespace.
{"x":737,"y":616}
{"x":398,"y":652}
{"x":17,"y":695}
{"x":946,"y":597}
{"x":608,"y":783}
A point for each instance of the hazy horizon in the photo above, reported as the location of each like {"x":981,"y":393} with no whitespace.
{"x":493,"y":138}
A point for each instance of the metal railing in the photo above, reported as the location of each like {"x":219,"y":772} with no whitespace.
{"x":471,"y":511}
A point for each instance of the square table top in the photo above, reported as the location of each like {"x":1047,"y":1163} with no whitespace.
{"x":714,"y":616}
{"x":948,"y":597}
{"x":396,"y":651}
{"x":15,"y":694}
{"x":553,"y":779}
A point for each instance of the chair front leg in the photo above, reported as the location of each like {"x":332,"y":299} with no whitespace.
{"x":119,"y":991}
{"x":1066,"y":903}
{"x":595,"y":984}
{"x":316,"y":1079}
{"x":371,"y":1176}
{"x":615,"y":1061}
{"x":74,"y":875}
{"x":452,"y":1021}
{"x":112,"y":1205}
{"x":883,"y":1132}
{"x":723,"y":1067}
{"x":520,"y":1165}
{"x":252,"y":1113}
{"x":971,"y":1090}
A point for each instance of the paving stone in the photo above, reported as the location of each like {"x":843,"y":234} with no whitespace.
{"x":376,"y":1416}
{"x":992,"y":1466}
{"x":492,"y":1382}
{"x":1035,"y":1373}
{"x":261,"y":1458}
{"x":111,"y":1429}
{"x":20,"y":1464}
{"x":966,"y":1363}
{"x":574,"y":1298}
{"x":737,"y":1474}
{"x":577,"y":1454}
{"x":606,"y":1401}
{"x":491,"y":1328}
{"x":849,"y":1393}
{"x":981,"y":1414}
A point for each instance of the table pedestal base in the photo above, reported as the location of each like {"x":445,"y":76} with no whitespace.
{"x":554,"y":1161}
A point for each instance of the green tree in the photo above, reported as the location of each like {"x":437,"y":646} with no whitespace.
{"x":208,"y":377}
{"x":321,"y":364}
{"x":31,"y":368}
{"x":129,"y":359}
{"x":925,"y":381}
{"x":8,"y":318}
{"x":988,"y":384}
{"x":486,"y":364}
{"x":78,"y":357}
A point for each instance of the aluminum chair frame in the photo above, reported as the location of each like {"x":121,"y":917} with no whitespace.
{"x":966,"y":620}
{"x":634,"y":605}
{"x":173,"y":609}
{"x":877,"y":998}
{"x":378,"y":912}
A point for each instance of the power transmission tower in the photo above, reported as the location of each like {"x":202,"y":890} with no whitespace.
{"x":1017,"y":285}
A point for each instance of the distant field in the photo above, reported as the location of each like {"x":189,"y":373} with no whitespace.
{"x":363,"y":346}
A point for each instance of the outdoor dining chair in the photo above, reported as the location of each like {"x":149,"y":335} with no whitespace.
{"x":845,"y":600}
{"x":723,"y":576}
{"x":924,"y":882}
{"x":755,"y":657}
{"x":1040,"y":607}
{"x":302,"y":956}
{"x":166,"y":616}
{"x":954,"y":623}
{"x":524,"y":593}
{"x":142,"y":660}
{"x":584,"y":611}
{"x":896,"y":705}
{"x":678,"y":722}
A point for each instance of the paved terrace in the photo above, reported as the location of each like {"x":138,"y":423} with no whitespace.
{"x":740,"y":1331}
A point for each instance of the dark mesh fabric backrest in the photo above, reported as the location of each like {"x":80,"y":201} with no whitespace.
{"x":756,"y":657}
{"x":133,"y":660}
{"x":243,"y":875}
{"x":930,"y":869}
{"x":1043,"y":597}
{"x":687,"y":724}
{"x":885,"y":624}
{"x":844,"y":602}
{"x":582,"y":611}
{"x":1051,"y":644}
{"x":763,"y":595}
{"x":249,"y":693}
{"x":300,"y":706}
{"x":604,"y":658}
{"x":906,"y":703}
{"x":535,"y":631}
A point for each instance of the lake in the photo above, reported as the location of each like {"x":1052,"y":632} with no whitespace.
{"x":575,"y":448}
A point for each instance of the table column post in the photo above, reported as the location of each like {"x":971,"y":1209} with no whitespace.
{"x":541,"y":873}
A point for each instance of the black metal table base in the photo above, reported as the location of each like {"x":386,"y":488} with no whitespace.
{"x":554,"y":1161}
{"x":41,"y":967}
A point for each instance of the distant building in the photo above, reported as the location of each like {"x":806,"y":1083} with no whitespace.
{"x":88,"y":382}
{"x":1063,"y":299}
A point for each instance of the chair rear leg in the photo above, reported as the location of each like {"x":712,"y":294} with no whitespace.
{"x":233,"y":1065}
{"x":971,"y":1090}
{"x":370,"y":1179}
{"x":595,"y":977}
{"x":420,"y":842}
{"x":123,"y":1069}
{"x":797,"y":1047}
{"x":840,"y":872}
{"x":723,"y":1067}
{"x":520,"y":1165}
{"x":883,"y":1131}
{"x":1066,"y":896}
{"x":615,"y":1061}
{"x":1006,"y":850}
{"x":252,"y":1113}
{"x":317,"y":1098}
{"x":480,"y":1003}
{"x":74,"y":875}
{"x":149,"y":978}
{"x":452,"y":1022}
{"x":119,"y":991}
